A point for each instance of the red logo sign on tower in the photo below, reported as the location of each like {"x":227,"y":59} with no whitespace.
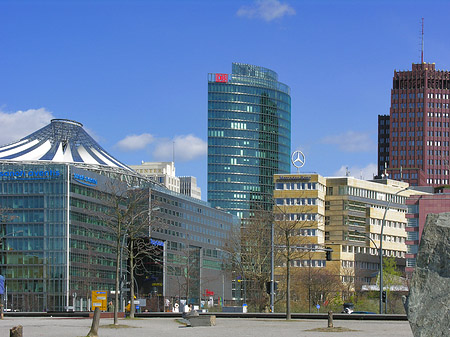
{"x":222,"y":78}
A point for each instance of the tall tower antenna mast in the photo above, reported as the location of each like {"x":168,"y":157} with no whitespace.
{"x":173,"y":151}
{"x":422,"y":44}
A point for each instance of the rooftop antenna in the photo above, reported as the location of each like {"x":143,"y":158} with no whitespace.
{"x":173,"y":151}
{"x":421,"y":59}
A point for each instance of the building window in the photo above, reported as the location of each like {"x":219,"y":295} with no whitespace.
{"x":413,"y":236}
{"x":411,"y":262}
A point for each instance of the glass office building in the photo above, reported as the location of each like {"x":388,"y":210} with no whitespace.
{"x":57,"y":244}
{"x":55,"y":249}
{"x":249,"y":137}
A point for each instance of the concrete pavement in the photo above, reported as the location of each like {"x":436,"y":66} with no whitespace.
{"x":226,"y":327}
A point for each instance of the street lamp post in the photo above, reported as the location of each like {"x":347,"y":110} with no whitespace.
{"x":239,"y":262}
{"x":368,"y":236}
{"x":272,"y":271}
{"x":381,"y":246}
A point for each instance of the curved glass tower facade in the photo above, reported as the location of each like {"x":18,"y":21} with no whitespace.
{"x":249,"y":137}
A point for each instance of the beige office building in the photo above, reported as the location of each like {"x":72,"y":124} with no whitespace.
{"x":345,"y":214}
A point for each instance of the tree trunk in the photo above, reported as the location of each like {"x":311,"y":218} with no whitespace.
{"x":17,"y":331}
{"x":95,"y":323}
{"x":288,"y":277}
{"x":132,"y":306}
{"x":117,"y":285}
{"x":288,"y":289}
{"x":330,"y":319}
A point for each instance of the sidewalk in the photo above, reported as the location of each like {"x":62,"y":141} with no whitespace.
{"x":226,"y":327}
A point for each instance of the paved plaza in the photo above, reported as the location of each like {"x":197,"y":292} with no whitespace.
{"x":225,"y":327}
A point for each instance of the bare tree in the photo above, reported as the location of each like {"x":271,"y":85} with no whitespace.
{"x":249,"y":256}
{"x":116,"y":216}
{"x":126,"y":214}
{"x":291,"y":224}
{"x":318,"y":285}
{"x":186,"y":267}
{"x":137,"y":233}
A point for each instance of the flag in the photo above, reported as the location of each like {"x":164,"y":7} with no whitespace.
{"x":2,"y":284}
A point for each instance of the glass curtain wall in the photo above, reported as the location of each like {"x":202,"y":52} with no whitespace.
{"x":33,"y":236}
{"x":249,"y":135}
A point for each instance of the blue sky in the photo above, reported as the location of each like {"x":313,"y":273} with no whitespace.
{"x":135,"y":72}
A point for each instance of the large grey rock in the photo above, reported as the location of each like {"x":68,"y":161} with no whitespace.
{"x":428,"y":303}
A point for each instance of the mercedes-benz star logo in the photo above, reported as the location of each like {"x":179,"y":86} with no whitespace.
{"x":298,"y":159}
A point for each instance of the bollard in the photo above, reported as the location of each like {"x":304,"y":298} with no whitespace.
{"x":17,"y":331}
{"x":330,"y":319}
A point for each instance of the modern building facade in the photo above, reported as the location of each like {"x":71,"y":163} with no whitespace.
{"x":345,"y":214}
{"x":383,"y":145}
{"x":195,"y":236}
{"x":58,"y":243}
{"x":249,"y":136}
{"x":419,"y":127}
{"x":419,"y":206}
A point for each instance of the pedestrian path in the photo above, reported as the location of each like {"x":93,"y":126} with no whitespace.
{"x":225,"y":327}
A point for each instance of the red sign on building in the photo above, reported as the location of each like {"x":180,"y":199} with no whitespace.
{"x":222,"y":78}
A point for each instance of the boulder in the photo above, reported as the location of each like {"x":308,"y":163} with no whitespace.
{"x":428,"y":303}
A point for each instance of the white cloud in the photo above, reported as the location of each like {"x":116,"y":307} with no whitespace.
{"x":267,"y":10}
{"x":351,"y":141}
{"x":16,"y":125}
{"x":135,"y":142}
{"x":364,"y":173}
{"x":187,"y":147}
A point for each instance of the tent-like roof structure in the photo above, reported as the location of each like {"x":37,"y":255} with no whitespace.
{"x":62,"y":141}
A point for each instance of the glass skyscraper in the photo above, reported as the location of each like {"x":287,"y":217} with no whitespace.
{"x":249,"y":137}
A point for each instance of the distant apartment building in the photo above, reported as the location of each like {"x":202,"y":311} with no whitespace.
{"x":345,"y":214}
{"x":161,"y":172}
{"x":419,"y":126}
{"x":419,"y":206}
{"x":188,"y":186}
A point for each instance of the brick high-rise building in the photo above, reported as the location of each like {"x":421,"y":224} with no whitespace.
{"x":419,"y":127}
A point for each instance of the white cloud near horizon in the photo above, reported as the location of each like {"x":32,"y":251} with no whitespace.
{"x":187,"y":147}
{"x":365,"y":173}
{"x":351,"y":141}
{"x":16,"y":125}
{"x":267,"y":10}
{"x":135,"y":142}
